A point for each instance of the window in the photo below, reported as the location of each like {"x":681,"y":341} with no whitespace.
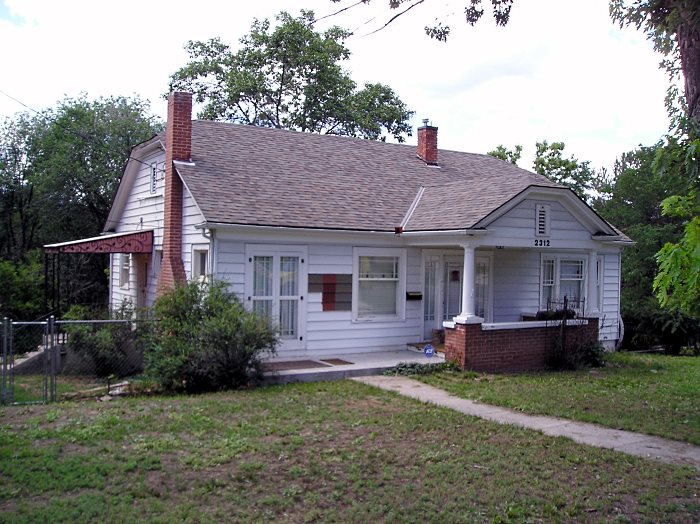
{"x":379,"y":284}
{"x":124,"y":267}
{"x":542,"y":212}
{"x":563,"y":276}
{"x":199,"y":264}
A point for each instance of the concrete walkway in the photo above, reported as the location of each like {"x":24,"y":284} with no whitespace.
{"x":664,"y":450}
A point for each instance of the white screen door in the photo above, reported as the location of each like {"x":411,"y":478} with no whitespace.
{"x":275,"y":283}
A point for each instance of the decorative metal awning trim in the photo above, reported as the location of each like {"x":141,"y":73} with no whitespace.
{"x":128,"y":242}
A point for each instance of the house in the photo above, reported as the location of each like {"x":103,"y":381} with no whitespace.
{"x":351,"y":245}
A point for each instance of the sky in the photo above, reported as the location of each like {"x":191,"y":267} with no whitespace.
{"x":560,"y":70}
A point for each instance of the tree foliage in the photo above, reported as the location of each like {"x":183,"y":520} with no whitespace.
{"x":59,"y":170}
{"x":290,"y":76}
{"x":507,"y":155}
{"x":674,"y":28}
{"x":205,"y":340}
{"x":569,"y":172}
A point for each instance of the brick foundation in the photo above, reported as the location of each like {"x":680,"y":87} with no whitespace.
{"x":509,"y":350}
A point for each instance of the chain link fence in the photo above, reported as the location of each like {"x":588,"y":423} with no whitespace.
{"x":67,"y":359}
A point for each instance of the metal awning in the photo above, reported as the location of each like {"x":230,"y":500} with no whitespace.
{"x":127,"y":242}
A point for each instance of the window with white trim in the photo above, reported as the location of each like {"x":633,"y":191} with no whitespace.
{"x":124,"y":268}
{"x":562,"y":276}
{"x":542,"y":220}
{"x":200,"y":265}
{"x":379,"y":284}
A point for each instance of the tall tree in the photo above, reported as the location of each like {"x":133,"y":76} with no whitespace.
{"x":59,"y":170}
{"x":290,"y":76}
{"x":570,"y":172}
{"x":507,"y":155}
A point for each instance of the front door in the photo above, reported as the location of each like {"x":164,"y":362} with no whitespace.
{"x":442,"y":290}
{"x":141,"y":263}
{"x":275,"y":288}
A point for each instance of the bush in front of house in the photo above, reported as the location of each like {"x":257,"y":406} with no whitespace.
{"x":647,"y":327}
{"x":102,"y":348}
{"x":205,"y":340}
{"x":578,"y":354}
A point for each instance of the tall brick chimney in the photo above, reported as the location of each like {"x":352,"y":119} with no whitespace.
{"x":178,"y":146}
{"x":427,"y":144}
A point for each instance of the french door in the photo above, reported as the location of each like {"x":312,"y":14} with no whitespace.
{"x":276,"y":281}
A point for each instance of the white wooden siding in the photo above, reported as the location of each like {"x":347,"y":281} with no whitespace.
{"x":143,"y":210}
{"x":611,"y":297}
{"x":191,"y":216}
{"x":331,"y":332}
{"x":516,"y":283}
{"x":517,"y":227}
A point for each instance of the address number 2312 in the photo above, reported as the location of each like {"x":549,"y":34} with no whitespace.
{"x":541,"y":242}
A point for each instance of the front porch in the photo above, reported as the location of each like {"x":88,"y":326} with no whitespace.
{"x":493,"y":305}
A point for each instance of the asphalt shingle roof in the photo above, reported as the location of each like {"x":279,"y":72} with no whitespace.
{"x":260,"y":176}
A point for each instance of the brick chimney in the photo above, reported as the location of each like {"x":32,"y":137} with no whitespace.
{"x":427,"y":144}
{"x":178,"y":146}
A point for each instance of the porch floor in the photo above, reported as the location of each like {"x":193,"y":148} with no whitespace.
{"x":341,"y":366}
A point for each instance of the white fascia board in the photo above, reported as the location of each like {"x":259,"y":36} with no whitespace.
{"x":184,"y":184}
{"x":447,"y":233}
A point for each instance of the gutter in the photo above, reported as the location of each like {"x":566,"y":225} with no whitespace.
{"x":447,"y":232}
{"x":221,"y":225}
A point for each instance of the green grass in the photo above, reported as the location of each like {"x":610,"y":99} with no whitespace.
{"x":325,"y":452}
{"x":30,"y":388}
{"x":653,"y":394}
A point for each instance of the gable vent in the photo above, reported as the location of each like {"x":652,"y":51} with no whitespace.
{"x":542,"y":220}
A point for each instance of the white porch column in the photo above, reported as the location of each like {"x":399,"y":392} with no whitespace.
{"x":592,"y":281}
{"x":468,"y":313}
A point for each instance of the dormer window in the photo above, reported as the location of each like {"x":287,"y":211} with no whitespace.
{"x":542,"y":220}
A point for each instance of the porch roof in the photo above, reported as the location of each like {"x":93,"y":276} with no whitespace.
{"x":126,"y":242}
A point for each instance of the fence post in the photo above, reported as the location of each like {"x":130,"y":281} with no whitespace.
{"x":52,"y":358}
{"x":5,"y":353}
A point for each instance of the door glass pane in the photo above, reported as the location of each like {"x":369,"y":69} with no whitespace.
{"x":289,"y":276}
{"x":263,"y":308}
{"x":288,"y":318}
{"x":262,"y":276}
{"x":482,"y":286}
{"x":453,"y":290}
{"x":430,"y":290}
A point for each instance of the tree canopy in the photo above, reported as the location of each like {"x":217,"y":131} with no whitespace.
{"x":290,"y":76}
{"x":59,"y":169}
{"x":551,"y":162}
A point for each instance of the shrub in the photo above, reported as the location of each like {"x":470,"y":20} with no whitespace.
{"x":578,"y":354}
{"x":111,"y":348}
{"x":649,"y":327}
{"x":204,"y":340}
{"x":555,"y":314}
{"x":416,"y":368}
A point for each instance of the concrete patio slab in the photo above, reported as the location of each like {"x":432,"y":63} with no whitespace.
{"x":637,"y":444}
{"x":357,"y":365}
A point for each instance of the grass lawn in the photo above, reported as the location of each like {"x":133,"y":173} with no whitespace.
{"x":30,"y":388}
{"x":653,"y":394}
{"x":324,"y":452}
